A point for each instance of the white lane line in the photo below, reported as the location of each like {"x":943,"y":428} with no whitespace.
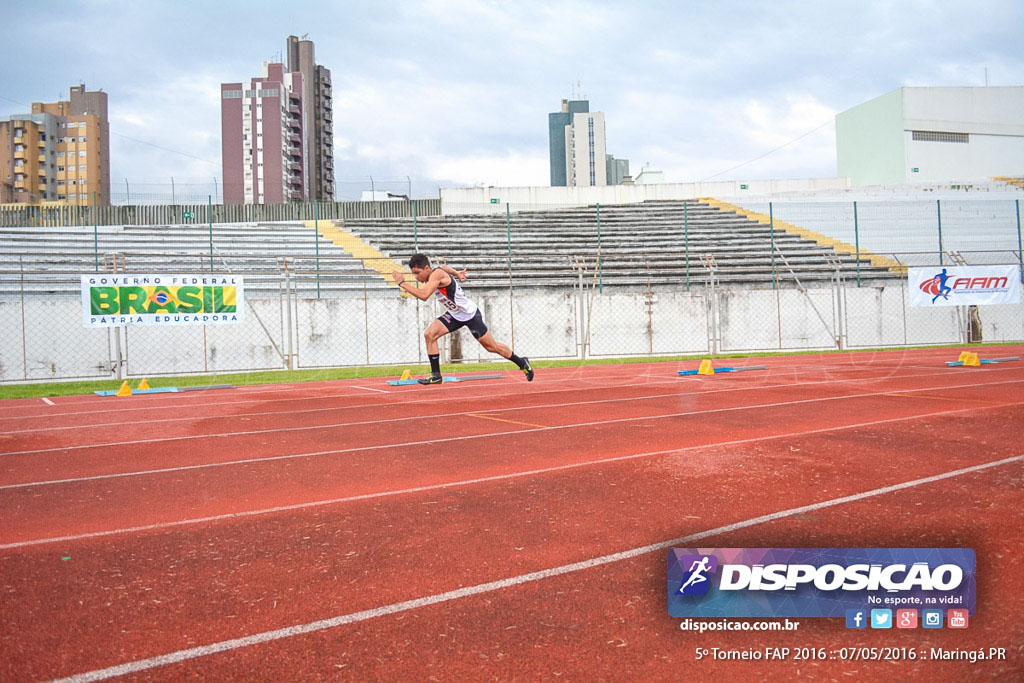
{"x":48,"y":401}
{"x":276,"y":392}
{"x":280,"y":395}
{"x":382,"y":391}
{"x":500,"y":584}
{"x":479,"y":480}
{"x":340,"y":425}
{"x":403,"y":403}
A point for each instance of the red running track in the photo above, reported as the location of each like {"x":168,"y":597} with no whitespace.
{"x":492,"y":529}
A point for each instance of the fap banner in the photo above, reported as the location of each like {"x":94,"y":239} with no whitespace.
{"x":964,"y":285}
{"x":118,"y":300}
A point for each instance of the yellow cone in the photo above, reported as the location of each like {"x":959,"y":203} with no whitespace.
{"x":125,"y":390}
{"x":143,"y":385}
{"x":964,"y":356}
{"x":972,"y":360}
{"x":706,"y":367}
{"x":406,"y":374}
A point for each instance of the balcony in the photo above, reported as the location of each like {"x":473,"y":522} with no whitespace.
{"x":294,"y":166}
{"x":41,"y":158}
{"x":42,"y":143}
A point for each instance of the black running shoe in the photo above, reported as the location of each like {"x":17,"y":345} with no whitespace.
{"x":432,"y":379}
{"x":527,"y":368}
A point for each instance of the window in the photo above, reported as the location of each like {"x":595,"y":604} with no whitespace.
{"x":60,"y":155}
{"x":60,"y":168}
{"x":82,"y":139}
{"x":933,"y":136}
{"x":82,"y":153}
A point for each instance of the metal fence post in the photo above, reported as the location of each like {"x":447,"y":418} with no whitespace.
{"x":24,"y":345}
{"x":856,"y":240}
{"x":95,"y":236}
{"x":316,"y":232}
{"x":288,"y":312}
{"x":209,"y":217}
{"x":686,"y":241}
{"x":600,"y":276}
{"x":415,"y":228}
{"x":1019,"y":253}
{"x":771,"y":228}
{"x":508,"y":241}
{"x":938,"y":210}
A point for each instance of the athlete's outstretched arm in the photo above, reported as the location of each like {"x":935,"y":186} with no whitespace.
{"x":463,"y":275}
{"x":438,"y":278}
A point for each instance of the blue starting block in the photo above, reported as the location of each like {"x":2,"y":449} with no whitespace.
{"x":983,"y":361}
{"x":167,"y":390}
{"x":136,"y":392}
{"x":468,"y":378}
{"x":718,"y":370}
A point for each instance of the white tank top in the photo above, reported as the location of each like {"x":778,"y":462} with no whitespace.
{"x":455,"y":301}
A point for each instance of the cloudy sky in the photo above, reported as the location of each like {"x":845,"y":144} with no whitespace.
{"x":457,"y":92}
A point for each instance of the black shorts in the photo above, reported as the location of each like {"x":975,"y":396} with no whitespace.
{"x":475,"y":324}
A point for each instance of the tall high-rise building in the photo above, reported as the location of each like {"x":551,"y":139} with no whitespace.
{"x":318,"y":117}
{"x":576,"y":139}
{"x":262,"y":138}
{"x":557,"y":123}
{"x":61,"y":151}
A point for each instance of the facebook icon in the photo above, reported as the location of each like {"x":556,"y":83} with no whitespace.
{"x":856,"y":618}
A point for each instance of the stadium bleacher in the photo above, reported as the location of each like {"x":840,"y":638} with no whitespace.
{"x":640,"y":244}
{"x":54,"y":258}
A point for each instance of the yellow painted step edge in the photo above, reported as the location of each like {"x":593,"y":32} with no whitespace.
{"x":825,"y":241}
{"x":372,"y":258}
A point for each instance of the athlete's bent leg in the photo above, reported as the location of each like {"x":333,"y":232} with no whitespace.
{"x":434,"y":331}
{"x":494,"y":346}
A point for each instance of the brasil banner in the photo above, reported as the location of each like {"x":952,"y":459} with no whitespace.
{"x":964,"y":285}
{"x":117,"y":300}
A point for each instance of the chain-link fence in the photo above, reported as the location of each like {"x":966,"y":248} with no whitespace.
{"x":662,"y":278}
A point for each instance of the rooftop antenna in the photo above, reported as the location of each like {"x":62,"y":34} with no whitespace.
{"x":305,"y":36}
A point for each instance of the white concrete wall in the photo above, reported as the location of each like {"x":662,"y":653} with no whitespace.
{"x":983,"y":156}
{"x":874,"y":140}
{"x":476,"y":200}
{"x":388,"y":330}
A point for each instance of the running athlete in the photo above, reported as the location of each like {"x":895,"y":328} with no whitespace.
{"x":443,"y":283}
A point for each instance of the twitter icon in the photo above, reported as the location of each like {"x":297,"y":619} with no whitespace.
{"x":881,"y":618}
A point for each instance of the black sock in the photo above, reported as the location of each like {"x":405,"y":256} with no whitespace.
{"x":517,"y":360}
{"x":435,"y":363}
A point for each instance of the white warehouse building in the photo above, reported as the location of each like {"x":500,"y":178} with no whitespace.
{"x":932,"y":135}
